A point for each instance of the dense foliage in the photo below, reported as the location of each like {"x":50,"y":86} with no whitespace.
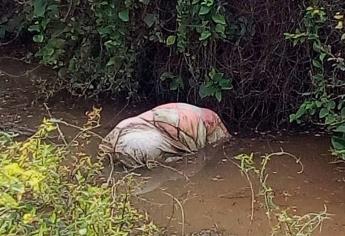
{"x":255,"y":61}
{"x":102,"y":46}
{"x":47,"y":190}
{"x":326,"y":99}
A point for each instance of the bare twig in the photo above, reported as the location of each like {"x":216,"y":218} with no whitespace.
{"x":252,"y":197}
{"x":251,"y":190}
{"x":68,"y":11}
{"x":62,"y":136}
{"x":171,"y":215}
{"x":83,"y":130}
{"x":112,"y":169}
{"x":26,"y":73}
{"x":11,"y":40}
{"x":112,"y":121}
{"x":173,"y":169}
{"x":182,"y":212}
{"x":282,"y":153}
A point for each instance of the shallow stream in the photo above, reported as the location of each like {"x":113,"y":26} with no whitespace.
{"x":209,"y":188}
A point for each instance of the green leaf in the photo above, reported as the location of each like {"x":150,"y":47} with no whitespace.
{"x":173,"y":86}
{"x":340,"y":128}
{"x":338,"y":143}
{"x":300,"y":112}
{"x":124,"y":15}
{"x":39,"y":7}
{"x":220,"y":29}
{"x":103,"y":31}
{"x":342,"y":112}
{"x":111,"y":43}
{"x":212,"y":73}
{"x":49,"y":51}
{"x":176,"y":84}
{"x":322,"y":56}
{"x":330,"y":119}
{"x":316,"y":46}
{"x":38,"y":38}
{"x":204,"y":91}
{"x":208,"y":3}
{"x":111,"y":61}
{"x":34,"y":28}
{"x":204,"y":10}
{"x":57,"y":42}
{"x":171,"y":40}
{"x":218,"y":76}
{"x":53,"y":9}
{"x":219,"y":19}
{"x":292,"y":118}
{"x":219,"y":96}
{"x":318,"y":77}
{"x":331,"y":105}
{"x":317,"y":63}
{"x":205,"y":35}
{"x":167,"y":75}
{"x":145,"y":2}
{"x":323,"y":113}
{"x":309,"y":105}
{"x":225,"y":84}
{"x":149,"y":20}
{"x":318,"y":104}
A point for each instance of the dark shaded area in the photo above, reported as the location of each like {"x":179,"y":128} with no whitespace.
{"x":269,"y":75}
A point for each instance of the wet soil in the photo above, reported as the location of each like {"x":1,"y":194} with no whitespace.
{"x":209,"y":186}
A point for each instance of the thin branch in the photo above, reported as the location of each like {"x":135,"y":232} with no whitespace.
{"x":182,"y":212}
{"x":11,"y":40}
{"x":57,"y":125}
{"x":112,"y":169}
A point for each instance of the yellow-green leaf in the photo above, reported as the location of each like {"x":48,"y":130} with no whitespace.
{"x":7,"y":200}
{"x":171,"y":40}
{"x":338,"y":16}
{"x":340,"y":25}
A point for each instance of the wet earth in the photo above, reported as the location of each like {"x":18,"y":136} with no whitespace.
{"x":205,"y":194}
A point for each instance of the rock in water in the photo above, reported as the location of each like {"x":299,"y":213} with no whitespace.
{"x":164,"y":133}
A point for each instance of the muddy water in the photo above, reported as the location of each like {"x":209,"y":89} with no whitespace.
{"x":219,"y":197}
{"x":209,"y":186}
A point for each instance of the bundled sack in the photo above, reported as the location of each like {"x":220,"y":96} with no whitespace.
{"x":164,"y":133}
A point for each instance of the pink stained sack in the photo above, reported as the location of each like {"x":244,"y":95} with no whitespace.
{"x":162,"y":134}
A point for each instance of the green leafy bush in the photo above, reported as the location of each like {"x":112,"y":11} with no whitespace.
{"x":167,"y":49}
{"x":96,"y":44}
{"x":325,"y":102}
{"x":42,"y":195}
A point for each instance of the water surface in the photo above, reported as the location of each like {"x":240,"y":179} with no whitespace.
{"x":209,"y":186}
